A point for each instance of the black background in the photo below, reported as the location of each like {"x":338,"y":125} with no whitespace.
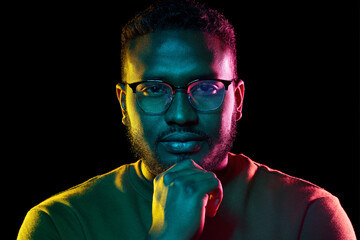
{"x":299,"y":61}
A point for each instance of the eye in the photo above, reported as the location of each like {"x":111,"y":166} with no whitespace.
{"x":153,"y":89}
{"x":205,"y":88}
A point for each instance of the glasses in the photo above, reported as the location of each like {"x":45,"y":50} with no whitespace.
{"x":155,"y":96}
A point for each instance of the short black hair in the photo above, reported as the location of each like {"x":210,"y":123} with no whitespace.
{"x":179,"y":15}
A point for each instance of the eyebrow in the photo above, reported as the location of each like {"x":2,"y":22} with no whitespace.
{"x":146,"y":78}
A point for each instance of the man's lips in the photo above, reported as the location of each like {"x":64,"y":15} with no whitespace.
{"x":182,"y":142}
{"x":182,"y":137}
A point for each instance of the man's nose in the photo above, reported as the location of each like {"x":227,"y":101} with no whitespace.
{"x":180,"y":111}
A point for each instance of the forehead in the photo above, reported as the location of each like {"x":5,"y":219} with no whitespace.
{"x":177,"y":56}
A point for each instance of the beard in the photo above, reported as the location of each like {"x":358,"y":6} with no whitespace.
{"x":218,"y":150}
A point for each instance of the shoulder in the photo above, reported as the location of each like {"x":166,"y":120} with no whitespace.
{"x":275,"y":182}
{"x":88,"y":192}
{"x":65,"y":211}
{"x":326,"y":219}
{"x":85,"y":189}
{"x":316,"y":212}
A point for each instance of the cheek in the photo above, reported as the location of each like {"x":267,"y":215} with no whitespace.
{"x":134,"y":116}
{"x":141,"y":125}
{"x":219,"y":124}
{"x":227,"y":111}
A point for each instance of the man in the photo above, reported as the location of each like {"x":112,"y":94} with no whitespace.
{"x":180,"y":98}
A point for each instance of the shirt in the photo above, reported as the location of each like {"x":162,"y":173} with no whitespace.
{"x":258,"y":203}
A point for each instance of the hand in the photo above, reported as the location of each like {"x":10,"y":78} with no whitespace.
{"x":182,"y":196}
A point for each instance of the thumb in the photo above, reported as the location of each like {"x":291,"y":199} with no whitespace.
{"x":214,"y":201}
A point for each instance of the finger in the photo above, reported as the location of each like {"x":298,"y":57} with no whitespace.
{"x":170,"y":177}
{"x":185,"y":164}
{"x":208,"y":190}
{"x":197,"y":183}
{"x":214,"y":201}
{"x":178,"y":167}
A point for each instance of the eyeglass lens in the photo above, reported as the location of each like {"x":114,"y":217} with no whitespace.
{"x":156,"y":97}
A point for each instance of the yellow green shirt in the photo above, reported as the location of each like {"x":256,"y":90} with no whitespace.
{"x":258,"y":203}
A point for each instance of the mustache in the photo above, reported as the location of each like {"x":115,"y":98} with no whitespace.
{"x":183,"y":130}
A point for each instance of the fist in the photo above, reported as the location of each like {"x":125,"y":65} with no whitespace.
{"x":182,"y":196}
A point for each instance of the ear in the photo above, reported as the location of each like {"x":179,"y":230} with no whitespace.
{"x":121,"y":96}
{"x":239,"y":98}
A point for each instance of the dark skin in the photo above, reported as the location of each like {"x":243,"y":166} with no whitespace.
{"x":186,"y":186}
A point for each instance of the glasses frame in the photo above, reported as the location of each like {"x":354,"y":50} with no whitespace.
{"x":174,"y":89}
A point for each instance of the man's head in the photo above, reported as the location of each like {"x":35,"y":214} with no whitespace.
{"x":188,"y":48}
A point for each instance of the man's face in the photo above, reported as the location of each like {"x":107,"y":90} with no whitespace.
{"x":181,"y":132}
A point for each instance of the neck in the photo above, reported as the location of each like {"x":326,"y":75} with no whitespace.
{"x":222,"y":167}
{"x":146,"y":173}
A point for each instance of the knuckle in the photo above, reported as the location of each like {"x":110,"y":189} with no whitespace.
{"x":190,"y":188}
{"x":189,"y":163}
{"x":211,"y":174}
{"x":215,"y":181}
{"x":178,"y":182}
{"x":184,"y":185}
{"x":168,"y":178}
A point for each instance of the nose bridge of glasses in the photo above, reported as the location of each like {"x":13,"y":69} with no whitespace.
{"x":180,"y":110}
{"x":180,"y":90}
